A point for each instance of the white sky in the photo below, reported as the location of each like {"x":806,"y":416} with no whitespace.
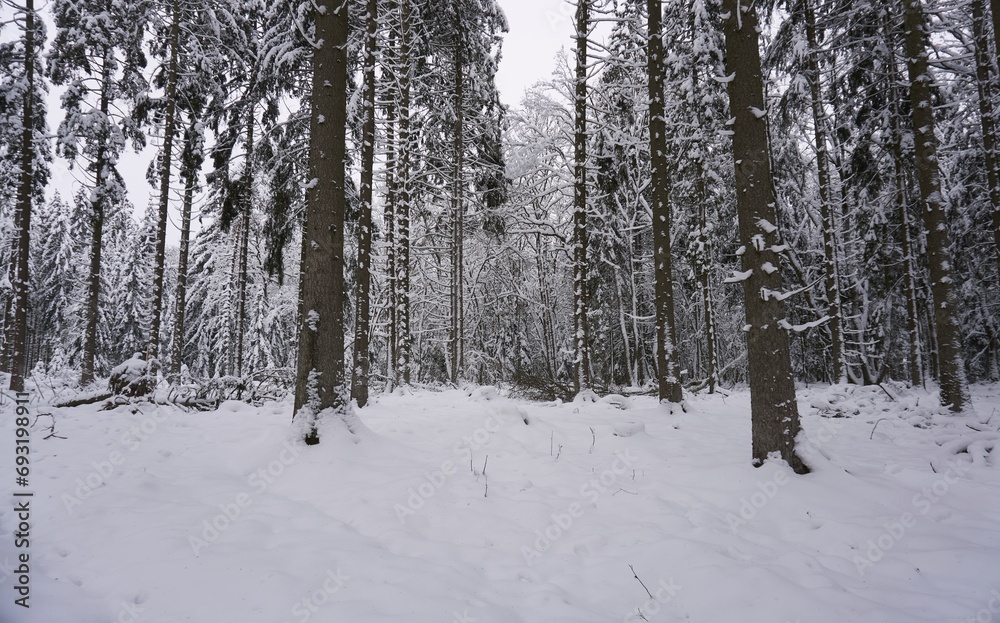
{"x":538,"y":28}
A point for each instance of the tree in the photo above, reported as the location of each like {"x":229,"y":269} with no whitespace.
{"x":951,"y":366}
{"x":362,"y":327}
{"x":170,"y":76}
{"x":581,"y":333}
{"x":668,"y":372}
{"x":773,"y":410}
{"x":97,"y":55}
{"x":319,"y":381}
{"x":191,"y":160}
{"x":826,"y":195}
{"x":31,"y":152}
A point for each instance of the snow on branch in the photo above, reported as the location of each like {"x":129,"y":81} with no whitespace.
{"x":738,"y":276}
{"x":799,"y":328}
{"x":767,"y":294}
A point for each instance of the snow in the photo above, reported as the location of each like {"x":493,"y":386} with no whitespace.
{"x":738,"y":276}
{"x":766,"y":225}
{"x":443,"y":508}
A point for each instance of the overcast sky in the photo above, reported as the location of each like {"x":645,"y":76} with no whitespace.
{"x":538,"y":28}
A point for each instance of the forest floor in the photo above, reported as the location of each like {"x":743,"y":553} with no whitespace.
{"x":447,"y":507}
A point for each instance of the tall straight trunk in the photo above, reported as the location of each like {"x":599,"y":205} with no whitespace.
{"x":773,"y":410}
{"x":244,"y":241}
{"x":826,"y":198}
{"x":986,"y":85}
{"x":457,"y":209}
{"x":915,"y":360}
{"x":170,"y":120}
{"x":180,"y":291}
{"x":954,"y":385}
{"x":97,"y":205}
{"x":405,"y":182}
{"x":22,"y":213}
{"x":581,"y":328}
{"x":391,"y":193}
{"x":704,"y":279}
{"x":232,"y":285}
{"x":359,"y":371}
{"x":319,"y":382}
{"x":545,"y":311}
{"x":704,"y":243}
{"x":668,"y":371}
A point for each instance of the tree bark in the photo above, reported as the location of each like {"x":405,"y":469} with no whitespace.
{"x":180,"y":292}
{"x":319,"y":382}
{"x":98,"y":205}
{"x":457,"y":210}
{"x":581,"y":325}
{"x":362,"y":320}
{"x":405,"y":182}
{"x":22,"y":213}
{"x":954,"y":385}
{"x":391,"y":193}
{"x":773,"y":409}
{"x":668,"y":371}
{"x":826,"y":198}
{"x":244,"y":242}
{"x":170,"y":119}
{"x":915,"y":361}
{"x":986,"y":85}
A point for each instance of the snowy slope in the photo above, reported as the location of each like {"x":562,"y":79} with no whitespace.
{"x":400,"y":524}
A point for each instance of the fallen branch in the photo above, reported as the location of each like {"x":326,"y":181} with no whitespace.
{"x":86,"y":399}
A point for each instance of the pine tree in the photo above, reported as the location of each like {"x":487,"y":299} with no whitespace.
{"x":581,"y":333}
{"x":954,"y":385}
{"x":773,"y":410}
{"x":320,"y":384}
{"x":667,"y":366}
{"x":27,"y":90}
{"x":362,"y":362}
{"x":100,"y":64}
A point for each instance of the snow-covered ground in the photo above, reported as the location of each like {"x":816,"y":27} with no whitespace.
{"x":449,"y":508}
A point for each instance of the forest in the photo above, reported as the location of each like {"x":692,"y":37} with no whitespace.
{"x":732,"y":237}
{"x":585,"y":240}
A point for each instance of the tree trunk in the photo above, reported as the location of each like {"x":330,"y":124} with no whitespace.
{"x":405,"y":182}
{"x":457,"y":210}
{"x":581,"y":328}
{"x":244,"y":242}
{"x":826,"y":198}
{"x":391,"y":194}
{"x":704,"y":242}
{"x":22,"y":213}
{"x":319,"y":382}
{"x":986,"y":84}
{"x":153,"y":349}
{"x":96,"y":232}
{"x":954,"y":385}
{"x":668,"y":371}
{"x":180,"y":293}
{"x":773,"y":410}
{"x":914,"y":362}
{"x":359,"y":372}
